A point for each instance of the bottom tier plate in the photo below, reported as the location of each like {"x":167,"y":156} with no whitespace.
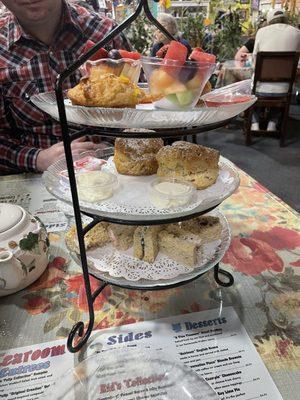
{"x":122,"y":269}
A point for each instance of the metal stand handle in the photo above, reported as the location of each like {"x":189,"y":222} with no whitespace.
{"x":219,"y":271}
{"x":78,"y":329}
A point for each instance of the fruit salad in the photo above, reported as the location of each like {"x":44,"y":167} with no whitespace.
{"x":176,"y":80}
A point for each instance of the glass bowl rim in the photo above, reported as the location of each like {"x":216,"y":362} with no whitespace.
{"x":175,"y":63}
{"x":135,"y":63}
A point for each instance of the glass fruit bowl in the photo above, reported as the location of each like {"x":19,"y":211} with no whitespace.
{"x":176,"y":86}
{"x":129,"y":68}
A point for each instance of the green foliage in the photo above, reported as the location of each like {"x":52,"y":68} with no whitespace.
{"x":139,"y":33}
{"x":293,"y":20}
{"x":193,"y":29}
{"x":29,"y":242}
{"x":228,"y":39}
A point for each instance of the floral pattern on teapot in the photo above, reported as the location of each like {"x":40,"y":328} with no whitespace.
{"x":23,"y":256}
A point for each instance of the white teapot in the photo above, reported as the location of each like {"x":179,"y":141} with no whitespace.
{"x":24,"y":248}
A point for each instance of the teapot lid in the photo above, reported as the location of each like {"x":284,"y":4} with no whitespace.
{"x":10,"y":216}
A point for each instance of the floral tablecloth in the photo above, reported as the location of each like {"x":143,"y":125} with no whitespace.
{"x":264,"y":258}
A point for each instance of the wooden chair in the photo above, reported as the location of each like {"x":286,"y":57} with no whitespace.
{"x":273,"y":67}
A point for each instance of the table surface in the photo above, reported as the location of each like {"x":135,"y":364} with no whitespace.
{"x":264,"y":258}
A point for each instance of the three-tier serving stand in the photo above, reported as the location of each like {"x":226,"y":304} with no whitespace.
{"x":79,"y":335}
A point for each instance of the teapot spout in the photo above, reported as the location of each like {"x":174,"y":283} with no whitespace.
{"x":11,"y":272}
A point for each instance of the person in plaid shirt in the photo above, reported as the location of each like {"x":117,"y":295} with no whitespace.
{"x":38,"y":40}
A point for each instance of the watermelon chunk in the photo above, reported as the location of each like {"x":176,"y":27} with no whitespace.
{"x":199,"y":56}
{"x":133,"y":55}
{"x":162,"y":51}
{"x":198,"y":49}
{"x":177,"y":52}
{"x":101,"y":53}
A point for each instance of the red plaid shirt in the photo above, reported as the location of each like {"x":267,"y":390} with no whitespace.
{"x":27,"y":67}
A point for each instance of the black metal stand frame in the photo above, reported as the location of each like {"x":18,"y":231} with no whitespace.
{"x":78,"y":333}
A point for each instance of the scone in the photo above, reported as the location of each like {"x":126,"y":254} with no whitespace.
{"x":107,"y":90}
{"x":136,"y":156}
{"x":121,"y":236}
{"x":145,"y":243}
{"x":96,"y":237}
{"x":181,"y":247}
{"x":189,"y":162}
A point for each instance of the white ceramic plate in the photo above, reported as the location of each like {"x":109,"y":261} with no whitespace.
{"x":121,"y":268}
{"x":131,"y":201}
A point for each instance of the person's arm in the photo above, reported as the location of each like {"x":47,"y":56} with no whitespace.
{"x":256,"y":47}
{"x":241,"y":54}
{"x":17,"y":156}
{"x":14,"y":157}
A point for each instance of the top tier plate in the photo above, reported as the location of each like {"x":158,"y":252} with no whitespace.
{"x":143,"y":116}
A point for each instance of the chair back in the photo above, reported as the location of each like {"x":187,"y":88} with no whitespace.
{"x":276,"y":66}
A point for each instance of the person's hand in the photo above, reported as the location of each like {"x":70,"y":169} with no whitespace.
{"x":241,"y":56}
{"x":48,"y":156}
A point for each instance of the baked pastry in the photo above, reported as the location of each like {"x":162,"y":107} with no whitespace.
{"x":145,"y":243}
{"x":96,"y":237}
{"x":180,"y":246}
{"x":121,"y":236}
{"x":107,"y":90}
{"x":189,"y":162}
{"x":136,"y":156}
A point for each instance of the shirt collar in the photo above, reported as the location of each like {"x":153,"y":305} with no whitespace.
{"x":15,"y":30}
{"x":69,"y":16}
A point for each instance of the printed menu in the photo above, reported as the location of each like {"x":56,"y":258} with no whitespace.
{"x":27,"y":372}
{"x":212,"y":343}
{"x":32,"y":195}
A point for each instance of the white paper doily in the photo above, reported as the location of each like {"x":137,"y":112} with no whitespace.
{"x":110,"y":264}
{"x":132,"y":197}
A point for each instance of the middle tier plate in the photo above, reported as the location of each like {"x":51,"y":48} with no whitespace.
{"x":131,"y":201}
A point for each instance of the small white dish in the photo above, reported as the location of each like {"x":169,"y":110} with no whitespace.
{"x":170,"y":193}
{"x":95,"y":186}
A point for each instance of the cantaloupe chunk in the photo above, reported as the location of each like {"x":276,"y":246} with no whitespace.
{"x":194,"y":83}
{"x":175,"y":87}
{"x":160,"y":80}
